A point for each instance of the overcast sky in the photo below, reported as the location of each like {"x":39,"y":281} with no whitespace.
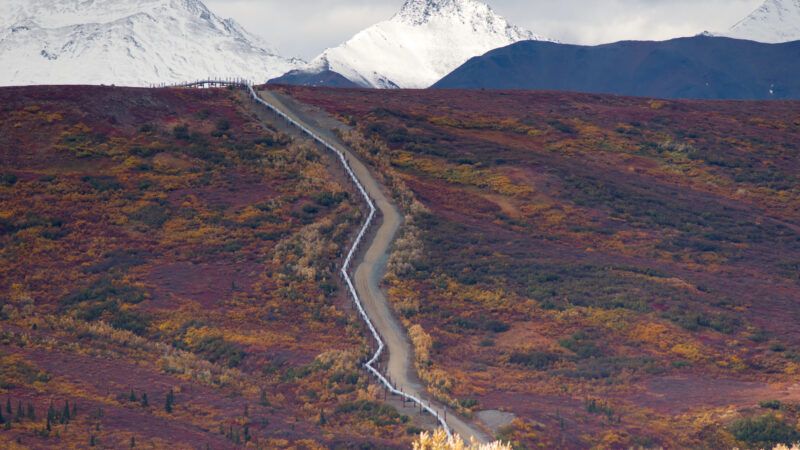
{"x":306,"y":27}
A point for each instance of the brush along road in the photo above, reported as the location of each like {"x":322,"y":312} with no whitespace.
{"x":370,"y":270}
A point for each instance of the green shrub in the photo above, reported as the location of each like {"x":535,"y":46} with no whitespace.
{"x":181,"y":132}
{"x":582,"y":345}
{"x":695,"y":320}
{"x":328,"y":199}
{"x":468,"y":403}
{"x":217,"y":350}
{"x":132,"y":321}
{"x":153,"y":215}
{"x":766,"y":431}
{"x":101,"y":301}
{"x":147,"y":128}
{"x":223,"y":125}
{"x":103,"y":184}
{"x":144,"y":152}
{"x":771,"y":404}
{"x":378,"y":413}
{"x":599,"y":407}
{"x":102,"y":290}
{"x":535,"y":359}
{"x":8,"y":179}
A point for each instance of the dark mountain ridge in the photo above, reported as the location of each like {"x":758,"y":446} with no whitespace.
{"x":701,"y":67}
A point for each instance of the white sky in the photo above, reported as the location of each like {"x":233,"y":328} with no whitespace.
{"x":305,"y":28}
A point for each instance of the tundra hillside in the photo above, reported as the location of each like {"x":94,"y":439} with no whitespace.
{"x":168,"y":278}
{"x":606,"y":271}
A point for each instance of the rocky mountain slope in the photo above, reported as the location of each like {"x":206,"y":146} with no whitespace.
{"x":126,"y":42}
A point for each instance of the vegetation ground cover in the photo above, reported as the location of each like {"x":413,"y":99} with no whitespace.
{"x":167,"y":278}
{"x":613,"y":271}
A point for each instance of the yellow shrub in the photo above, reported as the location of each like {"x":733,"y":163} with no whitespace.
{"x":439,"y":441}
{"x":688,"y":351}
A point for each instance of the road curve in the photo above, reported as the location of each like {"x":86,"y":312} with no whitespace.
{"x":371,"y":269}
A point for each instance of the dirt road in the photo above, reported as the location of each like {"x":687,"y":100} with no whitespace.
{"x":372,"y":267}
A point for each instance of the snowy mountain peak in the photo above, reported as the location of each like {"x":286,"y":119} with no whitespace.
{"x":127,"y":42}
{"x":423,"y":42}
{"x":61,"y":13}
{"x":773,"y":22}
{"x":417,"y":12}
{"x":476,"y":14}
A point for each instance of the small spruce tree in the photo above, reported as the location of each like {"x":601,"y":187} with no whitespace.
{"x":51,"y":412}
{"x":20,"y":412}
{"x":65,"y":414}
{"x":132,"y":396}
{"x":8,"y":406}
{"x":31,"y":412}
{"x":169,"y":402}
{"x":145,"y":402}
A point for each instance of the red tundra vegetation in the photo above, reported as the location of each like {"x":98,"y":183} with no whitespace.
{"x":595,"y":271}
{"x":167,"y":278}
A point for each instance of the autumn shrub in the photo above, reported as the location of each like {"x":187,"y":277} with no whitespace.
{"x":14,"y":371}
{"x":438,"y":440}
{"x":766,"y":430}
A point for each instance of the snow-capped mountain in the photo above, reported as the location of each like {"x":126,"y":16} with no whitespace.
{"x":422,"y":43}
{"x":127,"y":42}
{"x":773,"y":22}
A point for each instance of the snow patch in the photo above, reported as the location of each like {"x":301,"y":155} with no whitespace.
{"x":127,"y":42}
{"x":776,"y":21}
{"x":421,"y":44}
